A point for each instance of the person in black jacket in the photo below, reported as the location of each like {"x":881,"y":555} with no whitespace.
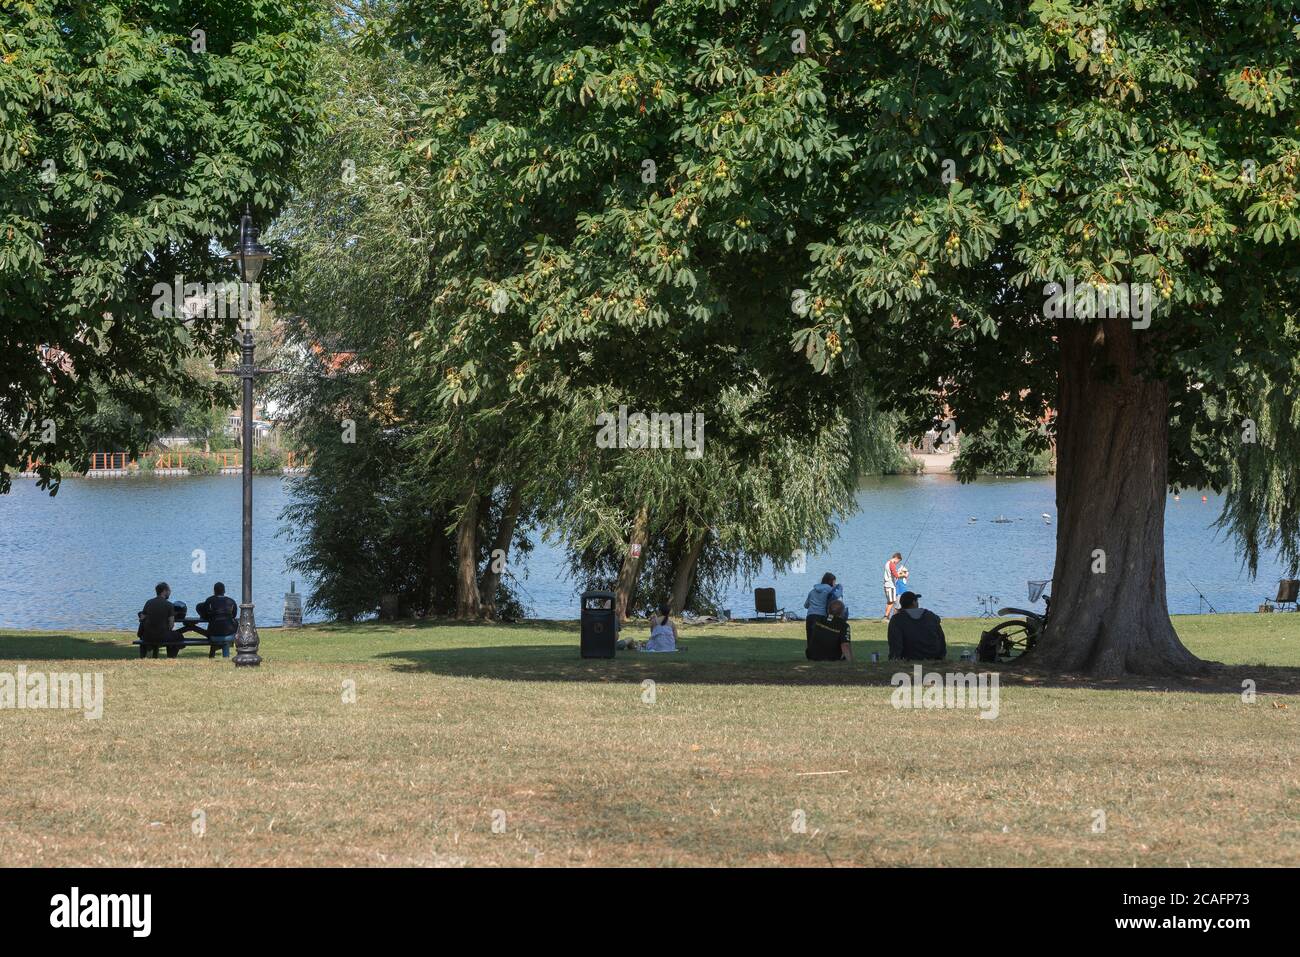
{"x":156,"y":622}
{"x":828,"y":635}
{"x":220,"y":612}
{"x":915,"y":633}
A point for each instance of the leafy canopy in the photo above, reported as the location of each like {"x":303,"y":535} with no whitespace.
{"x":132,"y":135}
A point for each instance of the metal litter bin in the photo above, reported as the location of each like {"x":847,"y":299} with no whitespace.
{"x":599,"y":629}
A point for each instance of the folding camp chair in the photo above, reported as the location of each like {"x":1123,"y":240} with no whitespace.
{"x":765,"y":603}
{"x":1288,"y":590}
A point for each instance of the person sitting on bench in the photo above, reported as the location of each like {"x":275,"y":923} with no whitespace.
{"x":220,"y":612}
{"x":156,"y":623}
{"x":828,"y":635}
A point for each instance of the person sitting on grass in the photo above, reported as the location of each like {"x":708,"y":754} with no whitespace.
{"x":663,"y":635}
{"x":156,"y":623}
{"x":915,"y":633}
{"x":663,"y":632}
{"x":828,"y":636}
{"x":818,"y":601}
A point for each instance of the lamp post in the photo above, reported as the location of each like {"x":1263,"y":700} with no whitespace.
{"x":250,"y":254}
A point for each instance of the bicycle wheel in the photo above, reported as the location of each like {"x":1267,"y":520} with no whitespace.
{"x":1015,"y":638}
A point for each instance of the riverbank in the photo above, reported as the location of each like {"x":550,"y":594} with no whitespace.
{"x":179,"y":462}
{"x":403,"y":744}
{"x":939,"y":463}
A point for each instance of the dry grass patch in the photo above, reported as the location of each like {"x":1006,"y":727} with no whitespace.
{"x":454,"y":723}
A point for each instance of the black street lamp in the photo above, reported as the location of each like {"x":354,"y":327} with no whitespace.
{"x":250,"y":254}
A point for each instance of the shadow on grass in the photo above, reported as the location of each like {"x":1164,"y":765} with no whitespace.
{"x":46,"y":647}
{"x":772,"y":661}
{"x":541,"y":625}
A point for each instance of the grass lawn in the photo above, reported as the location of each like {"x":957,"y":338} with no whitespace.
{"x":453,"y":724}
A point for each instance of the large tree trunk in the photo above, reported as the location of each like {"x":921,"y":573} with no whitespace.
{"x":1112,"y":440}
{"x":496,"y":562}
{"x":467,"y":603}
{"x":684,"y":573}
{"x":628,"y":573}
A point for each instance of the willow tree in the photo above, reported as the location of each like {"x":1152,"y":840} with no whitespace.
{"x":753,"y":494}
{"x":131,"y":136}
{"x":386,"y":508}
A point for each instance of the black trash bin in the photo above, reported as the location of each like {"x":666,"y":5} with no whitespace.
{"x":599,"y":630}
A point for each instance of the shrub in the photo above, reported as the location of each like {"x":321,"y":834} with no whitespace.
{"x":1002,"y":452}
{"x":268,"y":460}
{"x":201,"y":464}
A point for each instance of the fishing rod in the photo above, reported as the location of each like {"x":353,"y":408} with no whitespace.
{"x":519,"y":584}
{"x":1213,"y":611}
{"x":918,"y":534}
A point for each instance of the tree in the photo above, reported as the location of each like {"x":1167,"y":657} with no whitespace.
{"x":921,"y":171}
{"x":999,"y":451}
{"x":404,"y":495}
{"x":131,"y":136}
{"x":607,"y":201}
{"x":1144,"y":158}
{"x":197,"y":420}
{"x":603,"y":240}
{"x":754,"y":494}
{"x":131,"y":414}
{"x":501,"y":335}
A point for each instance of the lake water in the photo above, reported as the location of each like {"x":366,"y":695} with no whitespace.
{"x":89,"y":557}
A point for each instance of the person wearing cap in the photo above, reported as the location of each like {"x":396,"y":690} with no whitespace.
{"x":915,"y":633}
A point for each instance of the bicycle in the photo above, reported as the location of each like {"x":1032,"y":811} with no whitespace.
{"x":1009,"y":640}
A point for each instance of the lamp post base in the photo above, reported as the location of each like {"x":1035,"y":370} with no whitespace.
{"x":246,"y":640}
